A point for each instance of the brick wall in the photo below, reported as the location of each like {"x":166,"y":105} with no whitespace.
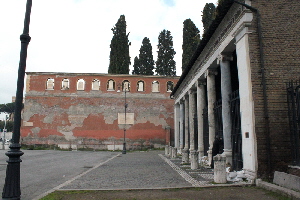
{"x":90,"y":117}
{"x":281,"y":41}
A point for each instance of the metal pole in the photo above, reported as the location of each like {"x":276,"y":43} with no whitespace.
{"x":12,"y":189}
{"x":124,"y":142}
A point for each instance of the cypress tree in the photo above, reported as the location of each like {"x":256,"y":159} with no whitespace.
{"x":208,"y":15}
{"x":119,"y":49}
{"x":165,"y":64}
{"x":136,"y":66}
{"x":191,"y":39}
{"x":146,"y":58}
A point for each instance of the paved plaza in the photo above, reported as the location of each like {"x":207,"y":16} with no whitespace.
{"x":43,"y":172}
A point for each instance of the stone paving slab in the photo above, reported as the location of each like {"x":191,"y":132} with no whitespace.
{"x":134,"y":170}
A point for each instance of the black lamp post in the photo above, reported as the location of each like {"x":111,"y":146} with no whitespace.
{"x":12,"y":189}
{"x":124,"y":142}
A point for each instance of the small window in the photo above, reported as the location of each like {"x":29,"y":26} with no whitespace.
{"x":80,"y":84}
{"x":50,"y":84}
{"x":155,"y":86}
{"x":65,"y":84}
{"x":110,"y":85}
{"x":170,"y":86}
{"x":126,"y":86}
{"x":140,"y":86}
{"x":96,"y":84}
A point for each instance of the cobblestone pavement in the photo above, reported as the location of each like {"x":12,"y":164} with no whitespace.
{"x":198,"y":177}
{"x":134,"y":170}
{"x":140,"y":170}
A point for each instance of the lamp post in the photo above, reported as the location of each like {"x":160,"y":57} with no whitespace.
{"x":12,"y":189}
{"x":124,"y":142}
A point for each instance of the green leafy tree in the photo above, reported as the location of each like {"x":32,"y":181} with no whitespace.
{"x":146,"y":58}
{"x":191,"y":39}
{"x":136,"y":66}
{"x":165,"y":64}
{"x":208,"y":15}
{"x":119,"y":49}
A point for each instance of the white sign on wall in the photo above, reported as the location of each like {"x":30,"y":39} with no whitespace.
{"x":129,"y":118}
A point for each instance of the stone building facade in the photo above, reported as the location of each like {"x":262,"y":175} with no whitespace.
{"x":88,"y":110}
{"x":235,"y":88}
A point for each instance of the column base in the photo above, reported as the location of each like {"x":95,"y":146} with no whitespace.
{"x":194,"y":160}
{"x":174,"y":152}
{"x":228,"y":154}
{"x":166,"y":150}
{"x":185,"y":156}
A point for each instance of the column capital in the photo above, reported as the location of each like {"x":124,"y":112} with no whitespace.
{"x":224,"y":57}
{"x":210,"y":72}
{"x":201,"y":82}
{"x":191,"y":91}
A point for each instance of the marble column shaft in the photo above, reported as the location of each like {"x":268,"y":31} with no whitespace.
{"x":226,"y":91}
{"x":176,"y":125}
{"x":192,"y":111}
{"x":200,"y":106}
{"x":211,"y":98}
{"x":181,"y":110}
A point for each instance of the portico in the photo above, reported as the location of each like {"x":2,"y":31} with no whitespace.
{"x":220,"y":73}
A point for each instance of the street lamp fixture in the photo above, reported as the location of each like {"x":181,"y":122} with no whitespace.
{"x":125,"y":107}
{"x":12,"y":189}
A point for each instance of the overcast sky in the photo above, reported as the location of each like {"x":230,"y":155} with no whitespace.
{"x":74,"y":35}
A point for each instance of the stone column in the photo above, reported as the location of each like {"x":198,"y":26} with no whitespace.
{"x":211,"y":98}
{"x":185,"y":151}
{"x":176,"y":125}
{"x":200,"y":106}
{"x":192,"y":112}
{"x":181,"y":125}
{"x":224,"y":61}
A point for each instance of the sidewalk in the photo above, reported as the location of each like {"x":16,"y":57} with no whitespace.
{"x":150,"y":175}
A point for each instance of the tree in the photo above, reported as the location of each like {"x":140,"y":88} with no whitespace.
{"x":144,"y":64}
{"x":208,"y":15}
{"x":146,"y":58}
{"x":119,"y":49}
{"x":136,"y":66}
{"x":165,"y":64}
{"x":191,"y":39}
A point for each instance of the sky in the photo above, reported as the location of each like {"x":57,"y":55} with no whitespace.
{"x":74,"y":35}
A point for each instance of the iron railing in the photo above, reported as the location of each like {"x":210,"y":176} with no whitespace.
{"x":293,"y":99}
{"x":236,"y":137}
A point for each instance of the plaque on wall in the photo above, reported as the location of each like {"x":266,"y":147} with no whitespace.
{"x":129,"y":118}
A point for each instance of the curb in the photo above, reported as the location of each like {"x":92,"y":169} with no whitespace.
{"x":276,"y":188}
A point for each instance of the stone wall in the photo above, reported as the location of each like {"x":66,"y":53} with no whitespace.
{"x":90,"y":117}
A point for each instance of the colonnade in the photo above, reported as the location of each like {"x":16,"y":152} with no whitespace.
{"x":190,"y":107}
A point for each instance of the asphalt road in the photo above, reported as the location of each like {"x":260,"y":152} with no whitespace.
{"x":43,"y":170}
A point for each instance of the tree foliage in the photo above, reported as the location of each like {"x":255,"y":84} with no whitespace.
{"x":208,"y":15}
{"x":136,"y":66}
{"x":7,"y":108}
{"x":119,"y":49}
{"x":144,"y":64}
{"x":165,"y":64}
{"x":191,"y":39}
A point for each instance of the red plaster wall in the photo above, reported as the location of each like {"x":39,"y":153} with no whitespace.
{"x":93,"y":114}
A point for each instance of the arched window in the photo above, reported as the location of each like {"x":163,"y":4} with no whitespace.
{"x":155,"y":86}
{"x":50,"y":84}
{"x":65,"y":84}
{"x":80,"y":84}
{"x":126,"y":86}
{"x":140,"y":86}
{"x":95,"y":84}
{"x":110,"y":85}
{"x":170,"y":86}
